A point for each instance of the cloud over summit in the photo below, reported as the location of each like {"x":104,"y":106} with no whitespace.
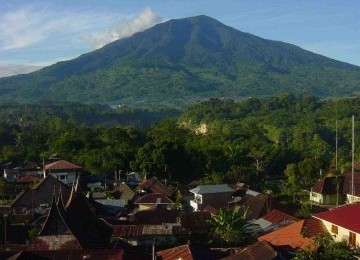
{"x":140,"y":22}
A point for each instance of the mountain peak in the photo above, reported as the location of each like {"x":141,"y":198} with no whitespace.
{"x":182,"y":61}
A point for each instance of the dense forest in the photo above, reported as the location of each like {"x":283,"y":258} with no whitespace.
{"x":254,"y":141}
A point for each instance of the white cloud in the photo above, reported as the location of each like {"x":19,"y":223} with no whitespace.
{"x":141,"y":22}
{"x":31,"y":25}
{"x":14,"y":69}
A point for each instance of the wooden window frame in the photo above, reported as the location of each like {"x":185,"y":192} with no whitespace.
{"x":334,"y":229}
{"x":352,"y":239}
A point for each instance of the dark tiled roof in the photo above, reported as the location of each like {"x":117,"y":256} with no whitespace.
{"x":41,"y":194}
{"x":180,"y":252}
{"x":29,"y":179}
{"x":89,"y":230}
{"x":261,"y":250}
{"x":154,"y":198}
{"x":327,"y":185}
{"x":346,"y":217}
{"x":155,"y":217}
{"x":134,"y":231}
{"x":56,"y":233}
{"x":195,"y":221}
{"x":61,"y":165}
{"x":347,"y":183}
{"x":98,"y":254}
{"x":153,"y":185}
{"x":276,"y":216}
{"x":257,"y":205}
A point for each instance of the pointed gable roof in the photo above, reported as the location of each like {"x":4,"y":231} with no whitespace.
{"x":90,"y":231}
{"x":61,"y":165}
{"x":40,"y":194}
{"x":327,"y":185}
{"x":153,"y":185}
{"x":55,"y":233}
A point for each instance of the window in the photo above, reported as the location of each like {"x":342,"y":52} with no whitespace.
{"x":352,"y":239}
{"x":334,"y":229}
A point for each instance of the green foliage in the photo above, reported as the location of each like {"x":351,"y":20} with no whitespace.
{"x":33,"y":233}
{"x":305,"y":211}
{"x":180,"y":62}
{"x":326,"y":248}
{"x":230,"y":228}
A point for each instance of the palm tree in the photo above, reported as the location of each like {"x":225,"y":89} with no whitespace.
{"x":231,"y":227}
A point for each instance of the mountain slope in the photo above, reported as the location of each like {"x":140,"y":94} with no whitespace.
{"x":182,"y":61}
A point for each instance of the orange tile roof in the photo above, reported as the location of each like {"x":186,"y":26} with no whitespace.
{"x":297,"y":235}
{"x":61,"y":165}
{"x":276,"y":216}
{"x":175,"y":253}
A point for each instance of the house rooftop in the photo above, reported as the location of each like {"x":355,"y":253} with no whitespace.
{"x":154,"y":198}
{"x":297,"y":235}
{"x":327,"y":185}
{"x":261,"y":250}
{"x":61,"y":165}
{"x":155,"y":186}
{"x":343,"y":217}
{"x":181,"y":252}
{"x":208,"y":189}
{"x":276,"y":216}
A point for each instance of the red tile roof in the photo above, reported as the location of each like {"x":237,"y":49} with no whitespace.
{"x":155,"y":186}
{"x":347,"y":217}
{"x":154,"y":198}
{"x":29,"y":179}
{"x":261,"y":250}
{"x":175,"y":253}
{"x":61,"y":165}
{"x":297,"y":235}
{"x":211,"y":210}
{"x":276,"y":216}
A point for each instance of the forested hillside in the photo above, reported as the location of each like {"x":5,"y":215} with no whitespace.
{"x":254,"y":141}
{"x":182,"y":62}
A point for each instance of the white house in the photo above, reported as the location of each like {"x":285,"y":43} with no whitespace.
{"x":217,"y":196}
{"x":343,"y":223}
{"x":62,"y":170}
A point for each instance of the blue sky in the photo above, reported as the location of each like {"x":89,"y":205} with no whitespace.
{"x":41,"y":32}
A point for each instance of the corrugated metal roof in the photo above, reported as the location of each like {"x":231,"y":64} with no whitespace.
{"x":347,"y":217}
{"x":218,"y":188}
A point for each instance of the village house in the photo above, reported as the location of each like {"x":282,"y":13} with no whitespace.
{"x":217,"y":196}
{"x":352,"y":196}
{"x":153,"y":185}
{"x":328,"y":191}
{"x":62,"y":170}
{"x":343,"y":223}
{"x":38,"y":198}
{"x":298,"y":235}
{"x":154,"y":200}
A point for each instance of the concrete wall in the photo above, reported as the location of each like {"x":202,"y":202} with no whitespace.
{"x":343,"y":234}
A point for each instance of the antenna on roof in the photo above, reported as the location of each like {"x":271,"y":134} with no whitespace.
{"x":352,"y":156}
{"x":336,"y":145}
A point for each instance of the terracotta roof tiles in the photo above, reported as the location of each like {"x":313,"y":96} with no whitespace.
{"x":62,"y":165}
{"x":276,"y":216}
{"x":176,"y":253}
